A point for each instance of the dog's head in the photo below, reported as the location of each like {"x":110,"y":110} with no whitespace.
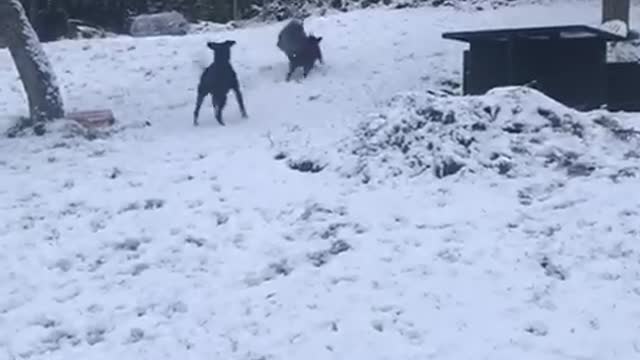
{"x":221,"y":50}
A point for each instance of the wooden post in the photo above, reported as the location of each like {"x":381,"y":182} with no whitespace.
{"x":235,"y":10}
{"x":33,"y":10}
{"x":616,"y":10}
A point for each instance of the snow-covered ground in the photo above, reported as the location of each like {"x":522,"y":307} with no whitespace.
{"x":165,"y":241}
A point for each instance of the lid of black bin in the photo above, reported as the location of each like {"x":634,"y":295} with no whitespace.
{"x":545,"y":32}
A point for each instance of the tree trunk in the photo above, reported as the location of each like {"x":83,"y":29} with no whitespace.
{"x":38,"y":78}
{"x":616,"y":10}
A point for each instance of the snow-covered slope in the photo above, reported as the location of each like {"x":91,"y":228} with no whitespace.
{"x":165,"y":241}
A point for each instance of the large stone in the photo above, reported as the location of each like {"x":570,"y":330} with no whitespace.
{"x":166,"y":23}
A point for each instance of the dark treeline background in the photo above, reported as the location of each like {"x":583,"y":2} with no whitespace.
{"x":114,"y":15}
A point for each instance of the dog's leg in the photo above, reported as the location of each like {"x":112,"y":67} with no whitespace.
{"x":306,"y":69}
{"x":196,"y":112}
{"x":240,"y":101}
{"x":219,"y":115}
{"x":218,"y":105}
{"x":292,"y":68}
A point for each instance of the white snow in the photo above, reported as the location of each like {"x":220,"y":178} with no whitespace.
{"x":173,"y":242}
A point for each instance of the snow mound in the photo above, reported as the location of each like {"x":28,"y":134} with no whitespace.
{"x":167,"y":23}
{"x":7,"y":122}
{"x":510,"y":131}
{"x":204,"y":27}
{"x":625,"y":51}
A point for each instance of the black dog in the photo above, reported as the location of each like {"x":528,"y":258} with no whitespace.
{"x":217,"y":80}
{"x":301,"y":49}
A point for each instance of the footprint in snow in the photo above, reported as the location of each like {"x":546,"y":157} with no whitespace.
{"x":537,"y":329}
{"x":149,"y":204}
{"x":131,"y":244}
{"x":135,"y":335}
{"x":552,"y":270}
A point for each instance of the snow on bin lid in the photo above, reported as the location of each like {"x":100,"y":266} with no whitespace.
{"x":543,"y":32}
{"x":615,"y":26}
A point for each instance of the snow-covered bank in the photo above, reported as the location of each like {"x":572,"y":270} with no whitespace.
{"x":515,"y":132}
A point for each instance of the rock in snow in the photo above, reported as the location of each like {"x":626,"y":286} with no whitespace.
{"x":166,"y":23}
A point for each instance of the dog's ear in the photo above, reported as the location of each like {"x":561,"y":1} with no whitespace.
{"x":318,"y":39}
{"x":212,"y":45}
{"x":230,"y":43}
